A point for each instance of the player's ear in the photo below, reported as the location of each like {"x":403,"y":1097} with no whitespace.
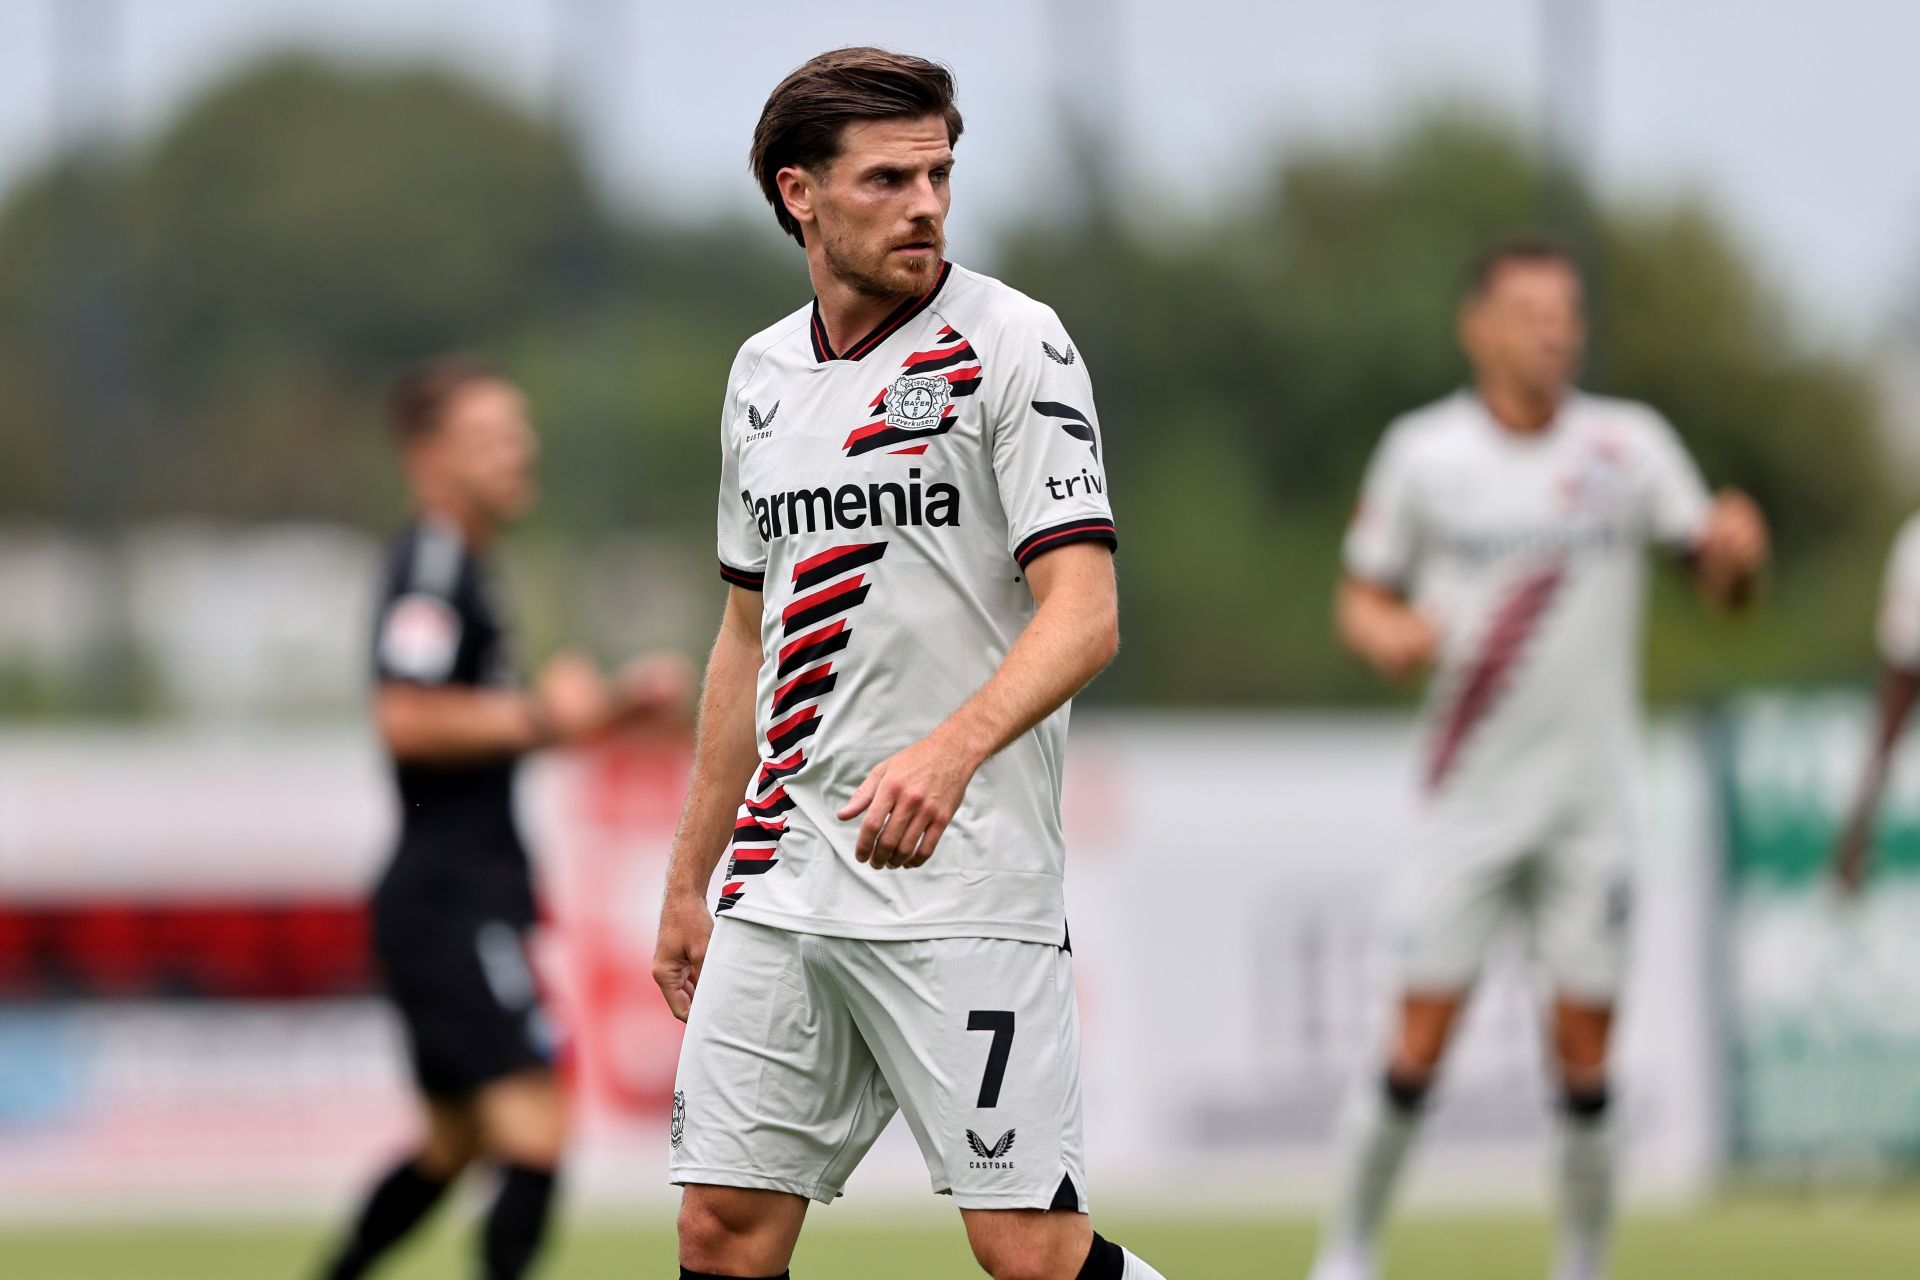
{"x":797,"y":191}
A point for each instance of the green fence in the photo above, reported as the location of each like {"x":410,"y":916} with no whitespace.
{"x":1823,"y":1030}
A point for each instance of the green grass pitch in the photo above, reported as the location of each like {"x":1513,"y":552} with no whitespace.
{"x":1747,"y":1240}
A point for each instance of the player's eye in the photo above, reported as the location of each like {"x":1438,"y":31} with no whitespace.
{"x":940,"y":176}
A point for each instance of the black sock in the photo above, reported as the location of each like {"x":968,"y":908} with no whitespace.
{"x":1405,"y":1094}
{"x":393,"y":1208}
{"x":708,"y":1275}
{"x":1105,"y":1261}
{"x":517,"y":1221}
{"x":1586,"y":1102}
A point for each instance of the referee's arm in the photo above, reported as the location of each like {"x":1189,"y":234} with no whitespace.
{"x":454,"y":724}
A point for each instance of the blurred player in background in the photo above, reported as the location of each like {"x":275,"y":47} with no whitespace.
{"x":1899,"y":636}
{"x":452,"y":914}
{"x":915,"y":533}
{"x":1500,"y":541}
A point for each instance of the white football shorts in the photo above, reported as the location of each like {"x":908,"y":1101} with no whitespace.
{"x":801,"y":1047}
{"x":1562,"y":873}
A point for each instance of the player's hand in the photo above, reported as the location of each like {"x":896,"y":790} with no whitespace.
{"x":909,"y":799}
{"x":680,"y":949}
{"x":1851,"y":858}
{"x":573,"y":697}
{"x":656,"y":685}
{"x":1732,"y":549}
{"x":1404,"y":644}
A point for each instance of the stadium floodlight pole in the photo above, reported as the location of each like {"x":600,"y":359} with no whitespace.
{"x":93,"y":404}
{"x":1569,"y":114}
{"x":1570,"y":82}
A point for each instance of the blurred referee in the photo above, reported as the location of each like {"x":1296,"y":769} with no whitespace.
{"x":452,"y":913}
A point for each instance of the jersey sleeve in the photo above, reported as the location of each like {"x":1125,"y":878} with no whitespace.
{"x":1899,"y":623}
{"x":1382,"y":543}
{"x":421,"y":627}
{"x":1676,"y":497}
{"x":742,"y":551}
{"x":1047,"y":458}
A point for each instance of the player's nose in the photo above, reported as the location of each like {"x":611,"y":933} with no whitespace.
{"x":924,"y":200}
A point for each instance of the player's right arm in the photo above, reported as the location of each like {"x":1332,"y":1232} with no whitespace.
{"x":725,"y":753}
{"x":1372,"y":614}
{"x":1899,"y":638}
{"x":1383,"y":630}
{"x":723,"y":762}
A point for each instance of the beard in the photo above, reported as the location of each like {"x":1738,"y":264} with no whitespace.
{"x":872,"y":270}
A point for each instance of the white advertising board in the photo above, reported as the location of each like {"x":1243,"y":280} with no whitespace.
{"x":1228,"y":888}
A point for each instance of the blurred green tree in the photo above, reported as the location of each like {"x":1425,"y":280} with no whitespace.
{"x":1262,"y":357}
{"x":230,"y":298}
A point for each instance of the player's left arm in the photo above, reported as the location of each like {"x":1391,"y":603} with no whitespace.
{"x":1731,"y":552}
{"x":911,"y":796}
{"x":1723,"y":538}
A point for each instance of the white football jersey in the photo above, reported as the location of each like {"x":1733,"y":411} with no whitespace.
{"x":887,"y":500}
{"x":1899,"y":630}
{"x":1529,"y":553}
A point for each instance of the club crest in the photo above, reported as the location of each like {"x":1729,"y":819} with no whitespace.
{"x":916,"y":403}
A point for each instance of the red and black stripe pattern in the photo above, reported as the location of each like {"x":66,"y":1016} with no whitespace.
{"x":1514,"y":625}
{"x":1090,"y":529}
{"x":951,"y":357}
{"x":813,"y":629}
{"x":742,"y":577}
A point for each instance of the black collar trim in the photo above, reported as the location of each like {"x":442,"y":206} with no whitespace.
{"x":906,"y":311}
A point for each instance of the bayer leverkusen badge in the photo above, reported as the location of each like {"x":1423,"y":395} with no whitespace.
{"x":916,"y":403}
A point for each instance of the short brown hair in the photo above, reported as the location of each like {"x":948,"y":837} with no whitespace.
{"x":1527,"y":246}
{"x":419,"y":397}
{"x":807,"y":112}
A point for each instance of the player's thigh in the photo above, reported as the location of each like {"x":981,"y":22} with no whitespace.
{"x":1454,"y":897}
{"x":1583,"y":909}
{"x":1014,"y":1244}
{"x":738,"y":1231}
{"x":523,"y":1118}
{"x":776,"y":1088}
{"x":979,"y":1039}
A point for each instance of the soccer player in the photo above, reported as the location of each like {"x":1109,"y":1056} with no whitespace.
{"x":1500,"y":541}
{"x":914,"y":529}
{"x":452,"y":913}
{"x":1899,"y":635}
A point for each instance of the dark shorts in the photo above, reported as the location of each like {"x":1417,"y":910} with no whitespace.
{"x":467,"y":996}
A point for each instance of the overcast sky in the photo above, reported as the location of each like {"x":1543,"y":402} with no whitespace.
{"x":1795,"y":115}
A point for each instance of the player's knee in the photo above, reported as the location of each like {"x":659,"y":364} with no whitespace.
{"x":721,"y":1230}
{"x":1022,"y":1262}
{"x":451,"y":1143}
{"x":531,"y":1145}
{"x":1580,"y":1045}
{"x":444,"y":1158}
{"x":1040,"y":1254}
{"x":524,"y":1122}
